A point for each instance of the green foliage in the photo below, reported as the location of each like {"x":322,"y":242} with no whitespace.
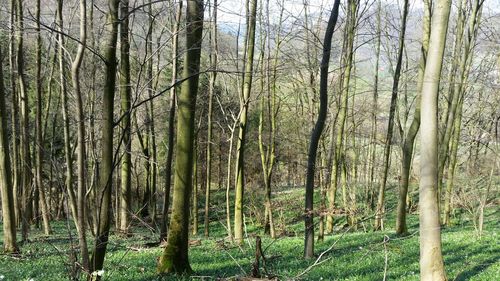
{"x":355,"y":256}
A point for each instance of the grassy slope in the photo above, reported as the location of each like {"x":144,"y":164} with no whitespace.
{"x":355,"y":256}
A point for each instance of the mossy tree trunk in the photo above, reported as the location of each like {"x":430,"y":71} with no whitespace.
{"x":6,"y":187}
{"x":244,"y":103}
{"x":106,"y":164}
{"x":175,"y":256}
{"x":171,"y":126}
{"x":125,"y":99}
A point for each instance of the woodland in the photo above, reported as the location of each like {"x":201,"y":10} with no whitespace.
{"x":250,"y":140}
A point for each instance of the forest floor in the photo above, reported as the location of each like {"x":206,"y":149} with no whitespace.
{"x":356,"y":254}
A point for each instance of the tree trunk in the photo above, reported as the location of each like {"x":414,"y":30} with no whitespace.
{"x":394,"y":98}
{"x":106,"y":164}
{"x":24,"y":156}
{"x":347,"y":63}
{"x":125,"y":98}
{"x":316,"y":133}
{"x":408,"y":143}
{"x":175,"y":256}
{"x":64,"y":98}
{"x":431,"y":260}
{"x":39,"y":141}
{"x":244,"y":103}
{"x":75,"y":78}
{"x":211,"y":89}
{"x":171,"y":126}
{"x":6,"y":187}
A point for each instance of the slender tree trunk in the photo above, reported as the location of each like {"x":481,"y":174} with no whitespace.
{"x":6,"y":187}
{"x":409,"y":140}
{"x":106,"y":164}
{"x":175,"y":256}
{"x":431,"y":260}
{"x":64,"y":98}
{"x":171,"y":126}
{"x":394,"y":98}
{"x":24,"y":156}
{"x":75,"y":78}
{"x":15,"y":111}
{"x":316,"y":133}
{"x":245,"y":100}
{"x":452,"y":164}
{"x":374,"y":112}
{"x":211,"y":89}
{"x":125,"y":98}
{"x":39,"y":141}
{"x":348,"y":55}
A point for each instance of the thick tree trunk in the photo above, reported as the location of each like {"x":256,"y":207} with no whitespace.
{"x":431,"y":259}
{"x":175,"y":256}
{"x":106,"y":164}
{"x":316,"y":133}
{"x":6,"y":187}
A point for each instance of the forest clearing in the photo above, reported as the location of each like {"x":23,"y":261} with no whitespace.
{"x":250,"y":140}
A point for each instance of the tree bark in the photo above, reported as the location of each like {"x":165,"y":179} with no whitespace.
{"x":394,"y":98}
{"x":409,"y":140}
{"x":240,"y":146}
{"x":211,"y":90}
{"x":175,"y":256}
{"x":431,"y":259}
{"x":125,"y":98}
{"x":316,"y":133}
{"x":6,"y":187}
{"x":39,"y":141}
{"x":171,"y":126}
{"x":106,"y":164}
{"x":81,"y":192}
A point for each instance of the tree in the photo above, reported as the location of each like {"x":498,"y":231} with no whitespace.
{"x":106,"y":163}
{"x":431,"y":260}
{"x":316,"y":133}
{"x":211,"y":89}
{"x":171,"y":126}
{"x":409,"y":139}
{"x":6,"y":187}
{"x":81,"y":192}
{"x":392,"y":110}
{"x":125,"y":96}
{"x":244,"y":103}
{"x":175,"y":256}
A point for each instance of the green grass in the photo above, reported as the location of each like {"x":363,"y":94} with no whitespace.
{"x":355,"y":255}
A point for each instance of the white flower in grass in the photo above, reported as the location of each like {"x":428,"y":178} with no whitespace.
{"x":98,"y":273}
{"x":2,"y":277}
